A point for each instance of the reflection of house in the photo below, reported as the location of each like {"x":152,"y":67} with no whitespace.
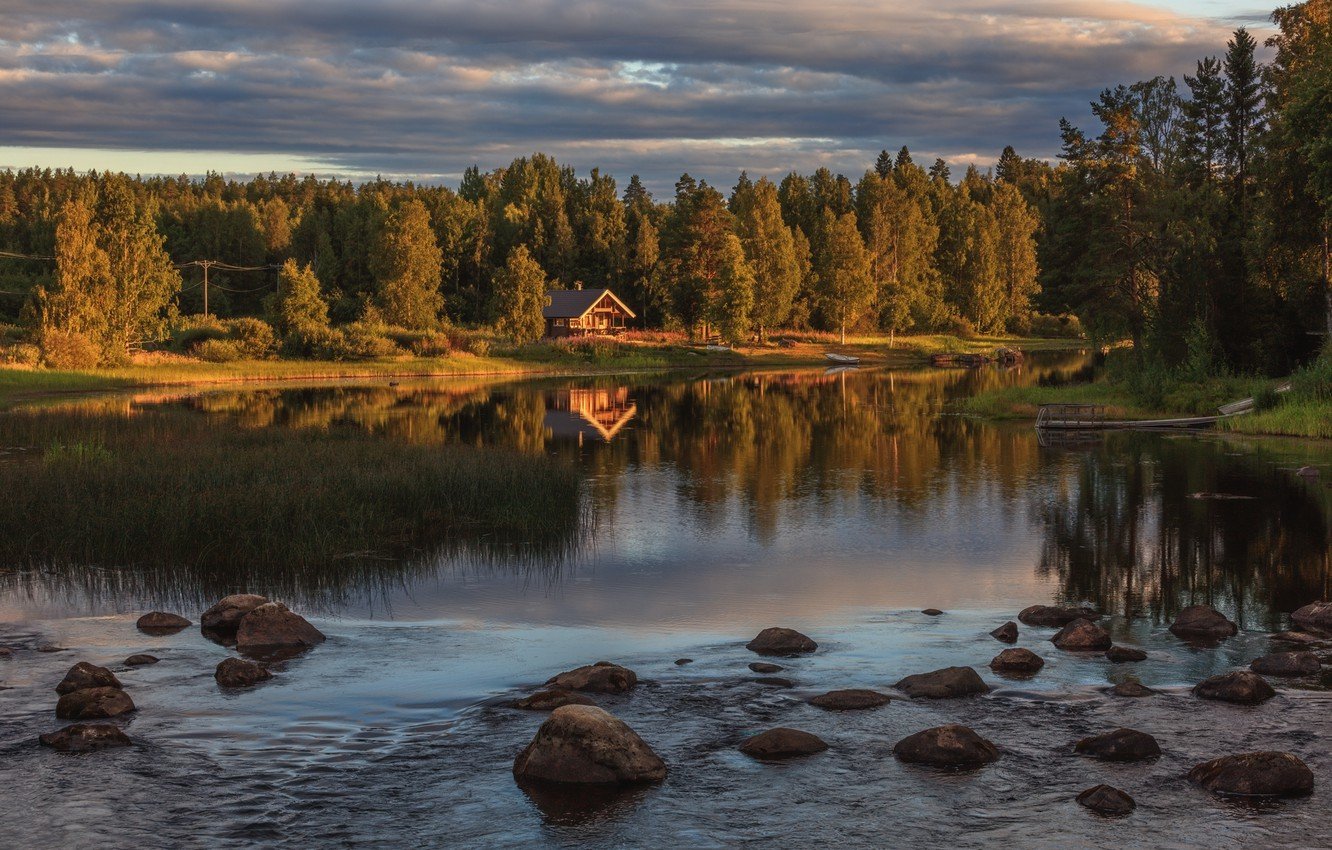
{"x":579,"y":312}
{"x":589,"y":412}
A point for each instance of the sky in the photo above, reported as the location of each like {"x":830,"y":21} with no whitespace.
{"x":421,"y":89}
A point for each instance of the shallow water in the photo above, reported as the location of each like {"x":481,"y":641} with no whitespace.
{"x":838,"y":504}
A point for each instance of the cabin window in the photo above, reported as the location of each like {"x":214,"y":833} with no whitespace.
{"x":559,"y":323}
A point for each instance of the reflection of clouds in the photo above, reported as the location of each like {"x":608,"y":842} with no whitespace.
{"x":427,"y":88}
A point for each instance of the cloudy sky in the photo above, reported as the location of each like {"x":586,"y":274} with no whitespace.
{"x":423,"y":88}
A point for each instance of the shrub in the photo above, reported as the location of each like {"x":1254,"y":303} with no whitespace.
{"x":363,"y":341}
{"x":20,"y":354}
{"x":1066,"y":326}
{"x":432,"y":345}
{"x":255,"y":339}
{"x":219,"y":351}
{"x":962,"y":328}
{"x":68,"y":350}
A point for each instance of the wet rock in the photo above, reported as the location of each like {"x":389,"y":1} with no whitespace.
{"x":600,"y":678}
{"x":52,"y":648}
{"x":1287,"y":664}
{"x":84,"y":675}
{"x":1241,"y":687}
{"x":680,"y":662}
{"x":141,"y":660}
{"x":943,"y":684}
{"x":782,"y":743}
{"x":161,"y":623}
{"x":237,"y":673}
{"x":1262,"y":774}
{"x":1301,"y":638}
{"x":952,"y":745}
{"x":1016,"y":661}
{"x":765,"y":667}
{"x":5,"y":652}
{"x":85,"y":737}
{"x":585,"y":745}
{"x":1082,"y":636}
{"x":1105,"y":800}
{"x":931,"y":612}
{"x":1316,"y":616}
{"x":225,"y":617}
{"x":851,"y":699}
{"x":1119,"y":745}
{"x":779,"y":641}
{"x":551,"y":699}
{"x":1007,"y":633}
{"x":93,"y":704}
{"x":775,"y":681}
{"x":1051,"y":615}
{"x":1202,"y":622}
{"x":1131,"y":689}
{"x":274,"y":626}
{"x":1124,"y":654}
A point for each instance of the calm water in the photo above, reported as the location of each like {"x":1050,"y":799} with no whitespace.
{"x":840,"y":504}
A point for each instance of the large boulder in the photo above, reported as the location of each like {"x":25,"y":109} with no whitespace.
{"x":782,"y":743}
{"x":1017,"y":660}
{"x":1082,"y":636}
{"x":1316,"y":616}
{"x":1241,"y":686}
{"x":1106,"y":800}
{"x":1007,"y":633}
{"x":943,"y":684}
{"x":1287,"y":664}
{"x":1263,"y":774}
{"x":85,"y":737}
{"x":1119,"y":745}
{"x":850,"y":699}
{"x":93,"y":704}
{"x":84,"y":675}
{"x":272,"y":626}
{"x":161,"y":623}
{"x":237,"y":673}
{"x":582,"y":744}
{"x":952,"y":745}
{"x":1202,"y":622}
{"x":224,"y":618}
{"x":551,"y":699}
{"x":600,"y":678}
{"x":1051,"y":615}
{"x":1123,"y":654}
{"x":779,"y":641}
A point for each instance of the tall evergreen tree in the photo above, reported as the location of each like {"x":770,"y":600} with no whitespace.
{"x":846,"y":289}
{"x":770,"y":250}
{"x":520,"y":295}
{"x":406,"y":265}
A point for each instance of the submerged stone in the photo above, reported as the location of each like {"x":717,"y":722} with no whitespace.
{"x":1261,"y":774}
{"x":764,"y":667}
{"x":1202,"y":622}
{"x":161,"y":622}
{"x":600,"y":678}
{"x":952,"y":745}
{"x":1242,"y":687}
{"x":1287,"y":664}
{"x":1082,"y":636}
{"x":780,"y":641}
{"x":141,"y":660}
{"x":237,"y":673}
{"x":943,"y":684}
{"x":931,"y":612}
{"x":1106,"y":800}
{"x":85,"y":737}
{"x":1052,"y":615}
{"x":783,"y":743}
{"x":850,"y":699}
{"x":582,"y":744}
{"x":1119,"y":745}
{"x":94,"y":704}
{"x":1316,"y":616}
{"x":551,"y":699}
{"x":1124,"y":654}
{"x":1131,"y":689}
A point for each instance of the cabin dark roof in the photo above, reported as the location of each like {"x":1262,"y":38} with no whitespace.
{"x":574,"y":303}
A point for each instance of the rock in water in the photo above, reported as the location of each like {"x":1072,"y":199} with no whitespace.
{"x":93,"y":704}
{"x":1300,"y":638}
{"x":775,"y":681}
{"x":1007,"y":633}
{"x":236,"y":673}
{"x":1202,"y":622}
{"x":1263,"y":774}
{"x":782,"y":743}
{"x":1122,"y":654}
{"x":680,"y":662}
{"x":953,"y":745}
{"x":161,"y":623}
{"x":1287,"y":664}
{"x":1016,"y":661}
{"x":943,"y":684}
{"x":225,"y":617}
{"x":1082,"y":636}
{"x":1119,"y":745}
{"x":765,"y":668}
{"x":1050,"y":615}
{"x":551,"y":699}
{"x":600,"y":678}
{"x":1131,"y":689}
{"x":1241,"y":687}
{"x":84,"y":675}
{"x":1316,"y":616}
{"x":273,"y":626}
{"x":851,"y":699}
{"x":931,"y":612}
{"x":85,"y":737}
{"x":141,"y":660}
{"x":779,"y":641}
{"x":1105,"y":800}
{"x":583,"y":744}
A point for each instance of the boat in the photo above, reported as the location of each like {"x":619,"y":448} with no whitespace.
{"x":841,"y":359}
{"x":713,"y":347}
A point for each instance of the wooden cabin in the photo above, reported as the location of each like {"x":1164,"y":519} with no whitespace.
{"x":584,"y":312}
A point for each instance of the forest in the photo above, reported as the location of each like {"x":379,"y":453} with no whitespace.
{"x":1193,"y":222}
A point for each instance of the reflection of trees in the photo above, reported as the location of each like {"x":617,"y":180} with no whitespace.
{"x":1122,"y":531}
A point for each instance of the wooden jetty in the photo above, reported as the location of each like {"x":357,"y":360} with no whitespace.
{"x":1091,"y":417}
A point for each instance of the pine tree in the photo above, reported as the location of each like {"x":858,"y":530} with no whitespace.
{"x":1015,"y":247}
{"x":1204,"y":120}
{"x":520,"y":295}
{"x":710,"y":282}
{"x":846,"y":289}
{"x":406,"y":264}
{"x":883,"y":166}
{"x":298,"y":311}
{"x":770,"y":249}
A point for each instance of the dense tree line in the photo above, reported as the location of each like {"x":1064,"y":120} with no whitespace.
{"x":1194,"y":223}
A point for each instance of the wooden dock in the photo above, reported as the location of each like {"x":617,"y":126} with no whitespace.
{"x":1091,"y":417}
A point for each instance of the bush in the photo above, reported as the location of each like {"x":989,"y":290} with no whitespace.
{"x":219,"y":351}
{"x":480,"y":347}
{"x":1065,"y":326}
{"x":255,"y":339}
{"x":188,"y":332}
{"x":363,"y":341}
{"x":962,"y":328}
{"x":20,"y":354}
{"x":432,"y":345}
{"x":68,"y":350}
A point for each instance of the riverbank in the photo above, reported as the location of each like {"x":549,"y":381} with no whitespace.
{"x":593,"y":357}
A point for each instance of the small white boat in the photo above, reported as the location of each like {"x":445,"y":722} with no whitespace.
{"x":841,"y":359}
{"x":711,"y":347}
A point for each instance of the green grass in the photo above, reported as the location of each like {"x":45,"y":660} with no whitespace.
{"x":1292,"y":418}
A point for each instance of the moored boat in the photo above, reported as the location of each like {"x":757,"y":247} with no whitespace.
{"x":841,"y":359}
